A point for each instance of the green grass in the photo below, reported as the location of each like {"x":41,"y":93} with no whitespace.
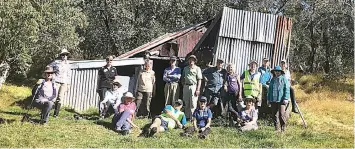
{"x":328,"y":127}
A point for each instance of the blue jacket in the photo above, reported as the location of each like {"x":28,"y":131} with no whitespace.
{"x":266,"y":75}
{"x":283,"y":90}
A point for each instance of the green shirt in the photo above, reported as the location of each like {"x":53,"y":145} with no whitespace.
{"x":191,"y":75}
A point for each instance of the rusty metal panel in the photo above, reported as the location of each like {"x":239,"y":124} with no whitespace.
{"x":187,"y":42}
{"x":282,"y":40}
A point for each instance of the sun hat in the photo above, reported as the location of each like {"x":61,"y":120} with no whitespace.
{"x":64,"y":51}
{"x":277,"y":68}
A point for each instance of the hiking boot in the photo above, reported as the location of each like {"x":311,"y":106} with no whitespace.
{"x":153,"y":131}
{"x":56,"y":109}
{"x":295,"y":110}
{"x":125,"y":132}
{"x":201,"y":136}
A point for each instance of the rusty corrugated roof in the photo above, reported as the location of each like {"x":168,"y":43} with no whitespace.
{"x":163,"y":39}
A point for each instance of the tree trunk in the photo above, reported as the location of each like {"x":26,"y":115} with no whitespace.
{"x":313,"y":43}
{"x":326,"y":47}
{"x":4,"y":72}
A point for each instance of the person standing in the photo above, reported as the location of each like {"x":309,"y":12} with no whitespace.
{"x":46,"y":94}
{"x":192,"y":76}
{"x":171,"y":77}
{"x":251,"y":83}
{"x":278,"y":97}
{"x":62,"y":79}
{"x":232,"y":87}
{"x":146,"y":81}
{"x":265,"y":79}
{"x":214,"y":77}
{"x":292,"y":92}
{"x":106,"y":76}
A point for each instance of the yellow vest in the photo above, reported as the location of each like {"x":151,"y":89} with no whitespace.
{"x":251,"y":87}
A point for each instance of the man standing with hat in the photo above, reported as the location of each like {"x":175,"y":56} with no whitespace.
{"x":146,"y":81}
{"x":112,"y":97}
{"x":171,"y":77}
{"x":214,"y":77}
{"x":278,"y":97}
{"x":251,"y":83}
{"x":62,"y":78}
{"x":265,"y":79}
{"x":106,"y":75}
{"x":192,"y":76}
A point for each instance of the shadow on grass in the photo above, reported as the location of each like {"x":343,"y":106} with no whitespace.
{"x":79,"y":116}
{"x":105,"y":124}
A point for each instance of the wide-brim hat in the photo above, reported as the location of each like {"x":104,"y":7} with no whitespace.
{"x":116,"y":81}
{"x":179,"y":102}
{"x":249,"y":98}
{"x":49,"y":69}
{"x":253,"y":61}
{"x":220,"y":61}
{"x":277,"y":68}
{"x":283,"y":60}
{"x":192,"y":56}
{"x":64,"y":51}
{"x":266,"y":59}
{"x":128,"y":95}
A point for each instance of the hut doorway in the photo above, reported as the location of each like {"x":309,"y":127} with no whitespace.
{"x":158,"y":100}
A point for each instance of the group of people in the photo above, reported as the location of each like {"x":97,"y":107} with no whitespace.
{"x":225,"y":93}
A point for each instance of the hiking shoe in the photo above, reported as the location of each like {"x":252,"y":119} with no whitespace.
{"x":125,"y":132}
{"x":201,"y":136}
{"x":153,"y":131}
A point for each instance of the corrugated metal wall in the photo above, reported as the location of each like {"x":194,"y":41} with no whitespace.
{"x":82,"y":94}
{"x":245,"y":36}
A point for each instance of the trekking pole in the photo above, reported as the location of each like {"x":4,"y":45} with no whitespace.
{"x":26,"y":116}
{"x":304,"y":121}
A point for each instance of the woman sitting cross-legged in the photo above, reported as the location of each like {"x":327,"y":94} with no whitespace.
{"x":202,"y":118}
{"x":249,"y":116}
{"x":45,"y":95}
{"x":124,"y":114}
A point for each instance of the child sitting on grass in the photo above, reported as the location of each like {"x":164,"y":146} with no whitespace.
{"x":202,"y":118}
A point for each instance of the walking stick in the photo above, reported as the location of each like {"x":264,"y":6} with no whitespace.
{"x":304,"y":121}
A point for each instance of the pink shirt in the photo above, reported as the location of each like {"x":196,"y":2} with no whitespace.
{"x":131,"y":107}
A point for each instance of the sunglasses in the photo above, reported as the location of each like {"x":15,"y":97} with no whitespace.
{"x":49,"y":72}
{"x":108,"y":60}
{"x":64,"y":55}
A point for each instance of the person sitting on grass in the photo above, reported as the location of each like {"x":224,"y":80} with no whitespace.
{"x":171,"y":117}
{"x":124,"y":114}
{"x":249,"y":116}
{"x":45,"y":95}
{"x":112,"y":98}
{"x":201,"y":120}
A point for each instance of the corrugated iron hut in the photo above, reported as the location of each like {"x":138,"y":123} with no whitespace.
{"x":238,"y":36}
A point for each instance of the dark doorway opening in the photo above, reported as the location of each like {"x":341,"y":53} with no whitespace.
{"x":158,"y":100}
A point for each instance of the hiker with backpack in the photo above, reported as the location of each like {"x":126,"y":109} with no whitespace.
{"x":45,"y":96}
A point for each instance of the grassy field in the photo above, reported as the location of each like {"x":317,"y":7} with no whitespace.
{"x":328,"y":109}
